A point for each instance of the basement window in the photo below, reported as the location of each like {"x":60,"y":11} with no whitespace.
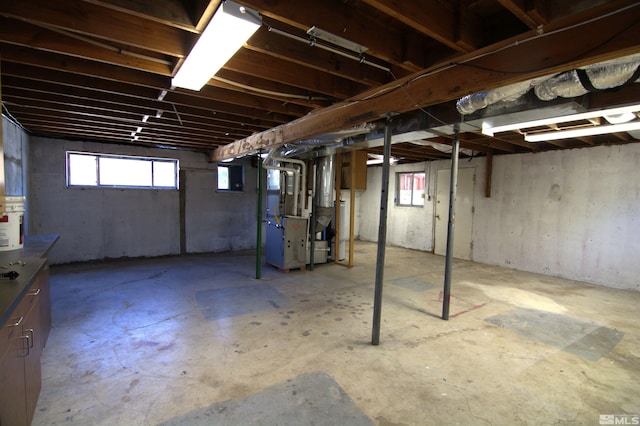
{"x":410,"y":189}
{"x":230,"y":178}
{"x":119,"y":171}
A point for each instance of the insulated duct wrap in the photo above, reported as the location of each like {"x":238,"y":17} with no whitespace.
{"x":328,"y":140}
{"x":570,"y":84}
{"x":602,"y":76}
{"x":472,"y":103}
{"x":566,"y":85}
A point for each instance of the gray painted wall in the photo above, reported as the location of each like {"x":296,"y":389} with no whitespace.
{"x":97,"y":223}
{"x":220,"y":221}
{"x":15,"y":145}
{"x":573,"y":214}
{"x":16,"y":165}
{"x":410,"y":227}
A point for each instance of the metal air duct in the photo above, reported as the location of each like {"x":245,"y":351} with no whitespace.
{"x":325,"y":178}
{"x":600,"y":76}
{"x":474,"y":102}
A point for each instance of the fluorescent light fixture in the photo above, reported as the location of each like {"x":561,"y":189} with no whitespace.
{"x":337,"y":40}
{"x":228,"y":160}
{"x":230,"y":27}
{"x":490,"y":131}
{"x":379,"y":159}
{"x":585,"y":131}
{"x":624,"y":117}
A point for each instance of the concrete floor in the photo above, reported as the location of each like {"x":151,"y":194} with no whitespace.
{"x":149,"y":342}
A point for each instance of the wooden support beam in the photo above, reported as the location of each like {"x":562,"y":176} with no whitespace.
{"x":431,"y":17}
{"x":286,"y":72}
{"x":108,"y":24}
{"x":27,"y":35}
{"x":21,"y":55}
{"x":278,"y":46}
{"x":504,"y":63}
{"x":169,"y":12}
{"x":343,"y":18}
{"x":530,"y":12}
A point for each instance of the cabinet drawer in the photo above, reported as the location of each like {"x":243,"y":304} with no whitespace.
{"x":13,"y":327}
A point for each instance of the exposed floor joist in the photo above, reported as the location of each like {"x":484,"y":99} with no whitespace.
{"x":506,"y":63}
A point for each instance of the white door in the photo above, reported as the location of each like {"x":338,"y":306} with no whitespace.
{"x":464,"y":213}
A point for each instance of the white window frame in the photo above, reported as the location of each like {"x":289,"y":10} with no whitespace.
{"x":412,"y":203}
{"x":98,"y":157}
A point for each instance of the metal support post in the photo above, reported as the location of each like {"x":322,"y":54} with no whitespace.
{"x":312,"y":225}
{"x":259,"y":225}
{"x":452,"y":221}
{"x":382,"y":236}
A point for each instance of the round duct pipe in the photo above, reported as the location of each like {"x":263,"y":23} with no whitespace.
{"x":325,"y":178}
{"x":606,"y":75}
{"x":600,"y":76}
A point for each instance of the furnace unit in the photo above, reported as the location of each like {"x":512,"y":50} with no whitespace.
{"x":287,"y":235}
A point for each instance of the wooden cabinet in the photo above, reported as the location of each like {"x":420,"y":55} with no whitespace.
{"x":32,"y":333}
{"x":22,"y":338}
{"x":13,"y":403}
{"x":356,"y":160}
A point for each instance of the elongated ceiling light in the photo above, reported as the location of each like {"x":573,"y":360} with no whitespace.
{"x":585,"y":131}
{"x":230,"y":27}
{"x":337,"y":40}
{"x":490,"y":131}
{"x":374,"y":159}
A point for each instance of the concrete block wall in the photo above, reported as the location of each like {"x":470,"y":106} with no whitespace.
{"x":220,"y":221}
{"x":97,"y":223}
{"x":572,"y":213}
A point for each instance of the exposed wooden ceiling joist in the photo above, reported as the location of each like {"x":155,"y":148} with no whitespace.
{"x":102,"y":23}
{"x":506,"y":63}
{"x":98,"y":67}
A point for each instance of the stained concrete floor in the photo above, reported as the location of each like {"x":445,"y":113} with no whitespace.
{"x":198,"y":340}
